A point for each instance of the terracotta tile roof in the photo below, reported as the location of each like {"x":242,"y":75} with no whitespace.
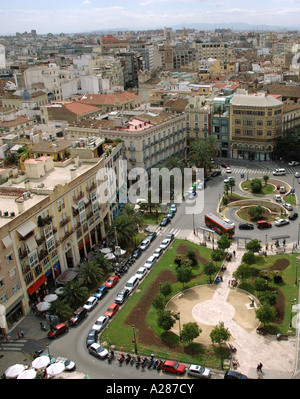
{"x":177,"y":105}
{"x":18,"y":121}
{"x":56,"y":146}
{"x":79,"y":108}
{"x":285,"y":91}
{"x":122,"y":97}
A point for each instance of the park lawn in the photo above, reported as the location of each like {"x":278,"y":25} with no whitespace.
{"x":150,"y":218}
{"x":121,"y":335}
{"x":290,"y":198}
{"x":243,"y":214}
{"x":266,"y":189}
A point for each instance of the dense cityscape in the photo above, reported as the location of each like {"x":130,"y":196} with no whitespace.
{"x":202,"y":283}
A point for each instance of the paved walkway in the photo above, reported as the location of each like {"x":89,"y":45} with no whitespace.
{"x":278,"y":357}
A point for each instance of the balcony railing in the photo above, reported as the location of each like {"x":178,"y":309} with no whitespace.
{"x":64,"y":222}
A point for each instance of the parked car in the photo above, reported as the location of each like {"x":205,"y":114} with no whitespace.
{"x":246,"y":226}
{"x":137,"y":253}
{"x":228,"y":178}
{"x":69,"y":365}
{"x":158,"y":252}
{"x":293,"y":163}
{"x":170,"y":236}
{"x":101,"y":291}
{"x":287,"y":206}
{"x":97,"y":350}
{"x":281,"y":222}
{"x":229,"y":222}
{"x":234,"y":375}
{"x":122,"y":296}
{"x":215,"y":173}
{"x":297,"y":174}
{"x":78,"y":316}
{"x":150,"y":262}
{"x":165,"y":243}
{"x":277,"y":197}
{"x":145,"y":244}
{"x":173,"y":207}
{"x":151,"y":235}
{"x":112,"y":309}
{"x":224,"y":165}
{"x":141,"y":273}
{"x":92,"y":337}
{"x":100,"y":323}
{"x":173,"y":367}
{"x":112,"y":281}
{"x":282,"y":190}
{"x":91,"y":303}
{"x":263,"y":224}
{"x":165,"y":221}
{"x":228,"y":170}
{"x":293,"y":215}
{"x":198,"y":371}
{"x":58,"y":330}
{"x":170,"y":214}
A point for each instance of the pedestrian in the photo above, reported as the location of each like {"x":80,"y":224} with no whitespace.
{"x":257,"y":368}
{"x":271,"y":247}
{"x":19,"y":334}
{"x":260,"y":367}
{"x":283,"y":242}
{"x":22,"y":333}
{"x":229,"y":282}
{"x":234,"y":253}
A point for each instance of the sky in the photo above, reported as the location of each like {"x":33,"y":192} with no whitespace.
{"x":72,"y":16}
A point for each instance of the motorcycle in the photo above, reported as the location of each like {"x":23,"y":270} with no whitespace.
{"x":159,"y":364}
{"x":132,"y":361}
{"x":155,"y":363}
{"x":144,"y":362}
{"x":138,"y":361}
{"x":150,"y":361}
{"x":128,"y":358}
{"x":37,"y":353}
{"x":43,"y":327}
{"x":121,"y":358}
{"x":111,"y":356}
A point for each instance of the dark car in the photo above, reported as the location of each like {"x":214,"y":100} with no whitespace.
{"x":234,"y":375}
{"x":122,"y":296}
{"x":137,"y":253}
{"x":215,"y":173}
{"x":224,"y":165}
{"x":58,"y":330}
{"x":78,"y":316}
{"x":165,"y":221}
{"x":91,"y":338}
{"x":293,"y":215}
{"x":101,"y":291}
{"x":152,"y":235}
{"x":246,"y":226}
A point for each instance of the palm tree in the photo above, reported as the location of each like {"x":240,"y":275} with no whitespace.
{"x":103,"y":263}
{"x":126,"y":231}
{"x":231,"y":185}
{"x":90,"y":275}
{"x":266,"y":178}
{"x":133,"y":215}
{"x":61,"y":309}
{"x":75,"y":294}
{"x":226,"y":188}
{"x":202,"y":151}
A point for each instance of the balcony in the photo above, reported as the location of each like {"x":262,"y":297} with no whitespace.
{"x":92,"y":187}
{"x":41,"y":222}
{"x":79,"y":197}
{"x":67,"y":235}
{"x":64,"y":222}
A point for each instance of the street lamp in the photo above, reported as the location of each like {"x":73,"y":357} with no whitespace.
{"x":266,"y":240}
{"x":134,"y":340}
{"x":47,"y":345}
{"x":193,"y":224}
{"x":178,"y":314}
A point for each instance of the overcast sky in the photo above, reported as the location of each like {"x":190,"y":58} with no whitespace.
{"x":71,"y":16}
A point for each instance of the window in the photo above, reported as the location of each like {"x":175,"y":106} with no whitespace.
{"x":50,"y":244}
{"x":1,"y":281}
{"x":259,"y":132}
{"x":3,"y":299}
{"x":9,"y":258}
{"x":12,"y":272}
{"x":33,"y":259}
{"x":15,"y":289}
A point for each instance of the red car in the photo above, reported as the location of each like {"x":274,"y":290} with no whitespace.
{"x":112,"y":281}
{"x":111,"y":310}
{"x":224,"y":165}
{"x":173,"y":367}
{"x":58,"y":330}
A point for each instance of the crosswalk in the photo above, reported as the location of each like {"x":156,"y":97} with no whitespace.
{"x":15,"y":345}
{"x":244,"y":171}
{"x":167,"y":230}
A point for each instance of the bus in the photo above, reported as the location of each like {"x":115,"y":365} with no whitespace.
{"x":218,"y":225}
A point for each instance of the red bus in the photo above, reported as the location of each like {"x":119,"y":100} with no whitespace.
{"x":218,"y":225}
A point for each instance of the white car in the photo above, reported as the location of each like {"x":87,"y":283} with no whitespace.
{"x":100,"y":323}
{"x":165,"y":243}
{"x":98,"y":351}
{"x":287,"y":206}
{"x":297,"y":174}
{"x":229,"y":222}
{"x":228,"y":178}
{"x":198,"y":371}
{"x":281,"y":222}
{"x":293,"y":163}
{"x":277,"y":197}
{"x":173,"y":207}
{"x":145,"y":244}
{"x":150,"y":262}
{"x":91,"y":303}
{"x":69,"y":365}
{"x":228,"y":170}
{"x":141,"y":273}
{"x":158,"y":252}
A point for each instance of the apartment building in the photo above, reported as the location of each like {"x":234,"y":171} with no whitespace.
{"x":219,"y":51}
{"x":197,"y":119}
{"x":47,"y":224}
{"x":255,"y":124}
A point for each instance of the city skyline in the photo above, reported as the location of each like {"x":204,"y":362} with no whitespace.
{"x":95,"y":15}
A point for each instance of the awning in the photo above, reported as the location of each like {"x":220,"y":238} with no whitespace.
{"x":7,"y":241}
{"x":75,"y":206}
{"x":36,"y":285}
{"x":26,"y":228}
{"x":31,"y":243}
{"x":85,"y":200}
{"x":66,"y":276}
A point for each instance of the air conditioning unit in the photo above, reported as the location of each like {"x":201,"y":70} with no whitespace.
{"x":12,"y":214}
{"x":5,"y":213}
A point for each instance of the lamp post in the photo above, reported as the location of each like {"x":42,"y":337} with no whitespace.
{"x":47,"y":345}
{"x":266,"y":240}
{"x":298,"y":232}
{"x":178,"y":314}
{"x":193,"y":224}
{"x":134,"y":340}
{"x":296,"y":279}
{"x":292,"y":303}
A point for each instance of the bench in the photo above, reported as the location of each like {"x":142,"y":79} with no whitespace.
{"x":282,"y":337}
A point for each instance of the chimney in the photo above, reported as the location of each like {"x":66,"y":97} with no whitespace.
{"x":73,"y":172}
{"x":27,"y":185}
{"x":20,"y":205}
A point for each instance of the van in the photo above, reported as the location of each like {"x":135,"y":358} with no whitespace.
{"x":78,"y":316}
{"x":282,"y":189}
{"x":132,"y":283}
{"x":279,"y":172}
{"x":263,"y":224}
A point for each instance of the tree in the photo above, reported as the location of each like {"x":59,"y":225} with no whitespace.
{"x":266,"y":178}
{"x":254,"y":245}
{"x":190,"y":331}
{"x":268,"y":296}
{"x":231,"y":185}
{"x":159,"y":301}
{"x":255,"y":212}
{"x":209,"y":269}
{"x":226,"y":188}
{"x":256,"y":185}
{"x":184,"y":274}
{"x":125,"y":229}
{"x":191,"y":255}
{"x":166,"y":288}
{"x":248,"y":258}
{"x":217,"y":255}
{"x":244,"y":272}
{"x":202,"y":151}
{"x":260,"y":284}
{"x":75,"y":294}
{"x":266,"y":314}
{"x":89,"y":275}
{"x":165,"y":319}
{"x":134,"y":216}
{"x":61,"y":309}
{"x":220,"y":334}
{"x":224,"y":242}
